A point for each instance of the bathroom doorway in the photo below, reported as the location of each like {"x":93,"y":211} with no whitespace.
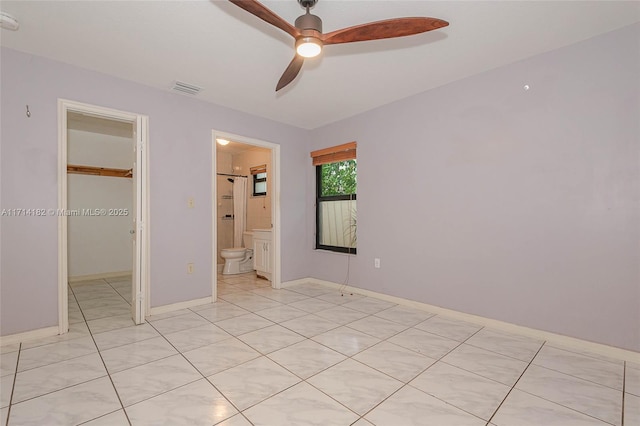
{"x":237,"y":159}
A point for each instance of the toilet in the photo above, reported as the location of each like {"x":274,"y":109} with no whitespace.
{"x":238,"y":260}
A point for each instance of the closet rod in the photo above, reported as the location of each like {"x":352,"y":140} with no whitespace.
{"x":99,"y":171}
{"x":227,"y":174}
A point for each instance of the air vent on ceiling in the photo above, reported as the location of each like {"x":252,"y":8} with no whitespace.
{"x":186,"y":88}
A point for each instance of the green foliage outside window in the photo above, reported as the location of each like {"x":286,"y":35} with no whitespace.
{"x":339,"y":178}
{"x":336,"y":206}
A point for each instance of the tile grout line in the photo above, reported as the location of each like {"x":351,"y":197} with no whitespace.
{"x":108,"y":316}
{"x":339,"y":325}
{"x":199,"y":372}
{"x":624,"y":388}
{"x":493,"y":352}
{"x":267,"y":398}
{"x":13,"y":386}
{"x":498,"y":353}
{"x":121,"y":296}
{"x":567,"y":407}
{"x":99,"y":417}
{"x":475,"y":373}
{"x":367,"y":315}
{"x":582,"y":378}
{"x":102,"y":359}
{"x":99,"y":352}
{"x":306,"y":382}
{"x":301,"y":380}
{"x":284,"y":367}
{"x":125,"y":344}
{"x":160,"y":334}
{"x":585,"y":354}
{"x":555,"y":402}
{"x":383,"y":340}
{"x":516,"y":382}
{"x":404,"y":385}
{"x":49,"y":364}
{"x":426,"y":368}
{"x":240,"y":412}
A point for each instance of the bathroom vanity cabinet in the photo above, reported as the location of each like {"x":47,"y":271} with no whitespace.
{"x":262,"y":253}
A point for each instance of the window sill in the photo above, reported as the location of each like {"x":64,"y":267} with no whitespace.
{"x":320,"y":250}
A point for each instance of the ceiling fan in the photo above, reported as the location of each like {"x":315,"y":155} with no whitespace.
{"x":310,"y":39}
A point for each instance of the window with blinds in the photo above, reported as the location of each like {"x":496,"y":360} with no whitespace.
{"x":336,"y":185}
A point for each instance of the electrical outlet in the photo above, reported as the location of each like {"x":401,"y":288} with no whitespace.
{"x":190,"y":202}
{"x":189,"y":268}
{"x":376,"y":263}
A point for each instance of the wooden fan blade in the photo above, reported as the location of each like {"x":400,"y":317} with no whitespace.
{"x":389,"y":28}
{"x":291,"y":72}
{"x":261,"y":11}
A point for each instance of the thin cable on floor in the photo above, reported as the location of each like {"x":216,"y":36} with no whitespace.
{"x":344,"y":285}
{"x":351,"y":226}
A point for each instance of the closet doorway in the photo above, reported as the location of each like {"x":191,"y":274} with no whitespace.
{"x":256,"y":162}
{"x":102,"y":205}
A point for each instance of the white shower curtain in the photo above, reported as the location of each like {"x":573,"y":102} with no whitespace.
{"x":239,"y":209}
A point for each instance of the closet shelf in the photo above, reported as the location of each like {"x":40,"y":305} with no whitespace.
{"x":99,"y":171}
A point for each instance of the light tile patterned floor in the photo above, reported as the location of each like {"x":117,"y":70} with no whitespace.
{"x":307,"y":355}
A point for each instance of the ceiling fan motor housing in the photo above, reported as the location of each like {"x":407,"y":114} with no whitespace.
{"x":309,"y":22}
{"x":307,"y":3}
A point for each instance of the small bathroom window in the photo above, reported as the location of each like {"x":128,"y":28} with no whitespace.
{"x":259,"y":174}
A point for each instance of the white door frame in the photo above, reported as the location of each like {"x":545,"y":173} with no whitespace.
{"x":275,"y":204}
{"x":141,"y":124}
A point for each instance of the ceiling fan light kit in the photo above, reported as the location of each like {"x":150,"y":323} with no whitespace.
{"x":309,"y":39}
{"x":308,"y":47}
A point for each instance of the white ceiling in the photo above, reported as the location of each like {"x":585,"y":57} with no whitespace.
{"x":103,"y":126}
{"x":238,"y":58}
{"x":235,"y":148}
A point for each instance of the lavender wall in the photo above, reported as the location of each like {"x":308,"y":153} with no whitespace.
{"x":180,"y":167}
{"x":523,"y":206}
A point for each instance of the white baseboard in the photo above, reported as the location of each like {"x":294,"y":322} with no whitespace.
{"x":300,"y":281}
{"x":552,"y":338}
{"x":157,"y":310}
{"x":28,"y":335}
{"x":100,"y":276}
